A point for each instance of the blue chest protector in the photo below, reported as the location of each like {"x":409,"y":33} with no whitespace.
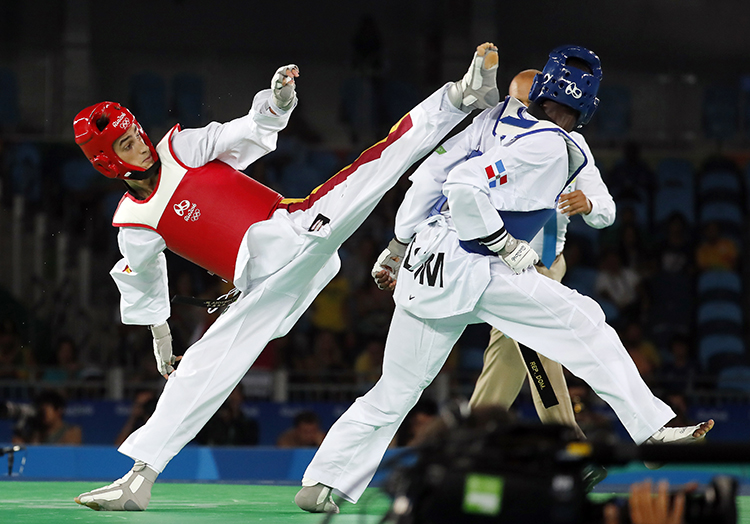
{"x":523,"y":225}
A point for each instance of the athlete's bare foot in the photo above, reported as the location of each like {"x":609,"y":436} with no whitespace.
{"x":683,"y":435}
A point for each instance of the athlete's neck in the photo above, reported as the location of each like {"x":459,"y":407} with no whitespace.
{"x":142,"y":189}
{"x":555,"y":112}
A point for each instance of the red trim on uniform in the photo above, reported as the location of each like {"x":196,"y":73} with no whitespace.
{"x":119,"y":204}
{"x":176,"y":129}
{"x":134,"y":224}
{"x":373,"y":153}
{"x":158,"y":180}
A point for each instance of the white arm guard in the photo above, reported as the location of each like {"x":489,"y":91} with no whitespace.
{"x":282,"y":86}
{"x":390,"y":259}
{"x":517,"y":254}
{"x":163,"y":348}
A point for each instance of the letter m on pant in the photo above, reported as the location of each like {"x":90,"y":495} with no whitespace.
{"x":431,"y":270}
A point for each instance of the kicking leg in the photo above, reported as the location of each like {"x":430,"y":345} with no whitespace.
{"x":571,"y":329}
{"x":343,"y":202}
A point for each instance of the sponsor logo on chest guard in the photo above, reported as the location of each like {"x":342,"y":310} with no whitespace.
{"x":187,"y":210}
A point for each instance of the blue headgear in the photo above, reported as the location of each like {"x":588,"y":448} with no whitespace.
{"x":569,"y":85}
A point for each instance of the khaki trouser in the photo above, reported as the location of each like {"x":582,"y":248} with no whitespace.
{"x":504,"y":371}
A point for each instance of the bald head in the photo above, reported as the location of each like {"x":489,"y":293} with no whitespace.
{"x":521,"y":85}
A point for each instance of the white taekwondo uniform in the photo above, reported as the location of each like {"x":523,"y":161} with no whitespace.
{"x":520,"y":167}
{"x":285,"y":256}
{"x":505,"y":369}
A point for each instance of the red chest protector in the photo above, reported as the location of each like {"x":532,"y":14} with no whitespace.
{"x":201,"y":213}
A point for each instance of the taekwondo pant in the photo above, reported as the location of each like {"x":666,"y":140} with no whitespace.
{"x":214,"y":365}
{"x":505,"y":369}
{"x":536,"y":311}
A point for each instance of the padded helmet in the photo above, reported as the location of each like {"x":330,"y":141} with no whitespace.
{"x":569,"y":85}
{"x":97,"y":144}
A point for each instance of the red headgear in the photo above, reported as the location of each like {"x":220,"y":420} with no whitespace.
{"x":97,"y":144}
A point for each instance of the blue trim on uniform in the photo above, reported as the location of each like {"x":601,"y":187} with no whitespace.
{"x":549,"y":242}
{"x":473,"y":246}
{"x":502,"y":110}
{"x":523,"y":225}
{"x":518,"y":122}
{"x":562,"y":132}
{"x":438,"y":207}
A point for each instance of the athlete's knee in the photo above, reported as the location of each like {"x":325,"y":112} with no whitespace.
{"x":588,"y":314}
{"x":383,"y":406}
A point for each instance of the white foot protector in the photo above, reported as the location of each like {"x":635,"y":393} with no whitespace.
{"x":682,"y":435}
{"x":316,"y":499}
{"x":130,"y":493}
{"x":478,"y":88}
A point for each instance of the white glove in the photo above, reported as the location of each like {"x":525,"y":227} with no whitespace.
{"x":517,"y":254}
{"x":282,"y":85}
{"x":390,"y":260}
{"x":163,"y":349}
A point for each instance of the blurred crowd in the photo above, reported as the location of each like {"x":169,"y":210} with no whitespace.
{"x":641,"y":270}
{"x":631,"y":268}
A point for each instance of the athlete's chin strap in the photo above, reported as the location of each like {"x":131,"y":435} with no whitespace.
{"x":142,"y":175}
{"x":148,"y":173}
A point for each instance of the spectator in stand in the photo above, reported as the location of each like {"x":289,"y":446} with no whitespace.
{"x":369,"y":364}
{"x":67,"y":367}
{"x":141,"y":410}
{"x":585,"y":406}
{"x":642,"y":350}
{"x":326,"y":362}
{"x":417,"y":423}
{"x":624,"y":234}
{"x":715,"y":250}
{"x":359,"y":252}
{"x":17,"y":360}
{"x":230,"y":426}
{"x":329,"y":310}
{"x":635,"y":251}
{"x":305,"y":433}
{"x":373,"y":310}
{"x":679,"y":404}
{"x":679,"y":370}
{"x":675,"y":253}
{"x":50,"y":426}
{"x":620,"y":285}
{"x":630,"y":175}
{"x":185,"y":317}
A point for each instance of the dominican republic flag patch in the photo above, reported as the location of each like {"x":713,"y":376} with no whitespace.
{"x":496,"y":173}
